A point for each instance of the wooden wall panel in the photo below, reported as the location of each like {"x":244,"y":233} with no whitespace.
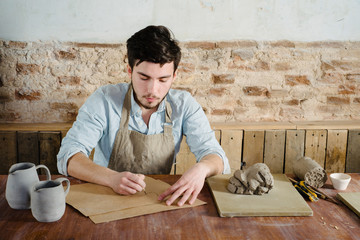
{"x":353,"y":153}
{"x":49,"y":148}
{"x":184,"y":159}
{"x":295,"y":141}
{"x":28,"y":147}
{"x":336,"y":151}
{"x":231,"y":142}
{"x":315,"y":145}
{"x":253,"y":147}
{"x":274,"y":150}
{"x":8,"y":154}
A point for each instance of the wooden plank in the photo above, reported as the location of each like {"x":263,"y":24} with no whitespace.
{"x":34,"y":127}
{"x":274,"y":150}
{"x":184,"y":159}
{"x":327,"y":124}
{"x":7,"y":151}
{"x":295,"y":140}
{"x":315,"y":145}
{"x":231,"y":142}
{"x":253,"y":125}
{"x":49,"y":148}
{"x":28,"y":147}
{"x":253,"y":151}
{"x":336,"y":151}
{"x":218,"y":135}
{"x":353,"y":153}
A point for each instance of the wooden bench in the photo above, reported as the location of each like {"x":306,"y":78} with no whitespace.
{"x":333,"y":144}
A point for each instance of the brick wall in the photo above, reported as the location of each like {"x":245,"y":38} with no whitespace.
{"x":233,"y":81}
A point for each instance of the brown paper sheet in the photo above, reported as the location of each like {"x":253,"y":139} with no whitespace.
{"x":102,"y":204}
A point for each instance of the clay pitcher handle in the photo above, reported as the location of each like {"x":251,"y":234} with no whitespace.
{"x":60,"y":180}
{"x":47,"y":171}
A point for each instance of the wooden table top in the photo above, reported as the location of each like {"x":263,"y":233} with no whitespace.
{"x":330,"y":221}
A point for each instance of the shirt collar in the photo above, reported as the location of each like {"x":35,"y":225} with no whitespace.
{"x":136,"y":110}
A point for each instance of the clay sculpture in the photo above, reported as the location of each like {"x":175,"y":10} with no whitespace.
{"x":310,"y":171}
{"x":256,"y":179}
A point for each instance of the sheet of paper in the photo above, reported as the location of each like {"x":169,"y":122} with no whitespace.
{"x":102,"y":204}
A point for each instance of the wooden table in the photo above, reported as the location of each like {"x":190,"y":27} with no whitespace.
{"x":330,"y":221}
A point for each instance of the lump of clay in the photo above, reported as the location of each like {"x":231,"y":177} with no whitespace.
{"x":310,"y":171}
{"x":256,"y":179}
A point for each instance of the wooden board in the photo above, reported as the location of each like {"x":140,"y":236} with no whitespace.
{"x":282,"y":200}
{"x":336,"y":151}
{"x":315,"y":145}
{"x":351,"y":199}
{"x":253,"y":125}
{"x":184,"y":159}
{"x":49,"y":147}
{"x":7,"y":150}
{"x":295,"y":140}
{"x":28,"y":147}
{"x":231,"y":142}
{"x":253,"y":147}
{"x":327,"y":124}
{"x":353,"y":153}
{"x":274,"y":150}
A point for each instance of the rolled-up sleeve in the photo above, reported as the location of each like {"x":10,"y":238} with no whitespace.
{"x":84,"y":134}
{"x":199,"y":135}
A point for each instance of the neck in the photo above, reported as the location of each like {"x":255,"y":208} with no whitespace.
{"x":146,"y":114}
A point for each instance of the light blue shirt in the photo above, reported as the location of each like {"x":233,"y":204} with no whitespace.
{"x":98,"y":121}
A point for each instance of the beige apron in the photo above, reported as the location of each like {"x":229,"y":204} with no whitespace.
{"x":139,"y":153}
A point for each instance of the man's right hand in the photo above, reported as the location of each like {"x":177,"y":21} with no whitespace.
{"x":127,"y":183}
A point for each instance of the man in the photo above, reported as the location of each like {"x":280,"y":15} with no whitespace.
{"x":137,"y":128}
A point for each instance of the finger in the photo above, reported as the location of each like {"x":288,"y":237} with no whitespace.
{"x":137,"y":179}
{"x":133,"y":185}
{"x":167,"y":192}
{"x":193,"y":197}
{"x":174,"y":196}
{"x":184,"y":198}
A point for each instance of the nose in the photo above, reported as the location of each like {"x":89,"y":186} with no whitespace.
{"x":152,"y":86}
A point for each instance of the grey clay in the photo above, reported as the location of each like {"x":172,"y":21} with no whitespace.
{"x":21,"y":178}
{"x":48,"y":200}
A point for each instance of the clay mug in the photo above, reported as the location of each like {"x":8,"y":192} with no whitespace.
{"x":21,"y":178}
{"x":48,"y":199}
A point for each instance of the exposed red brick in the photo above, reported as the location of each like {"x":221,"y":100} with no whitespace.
{"x":24,"y":68}
{"x":293,"y":102}
{"x":357,"y":100}
{"x":332,"y":77}
{"x":338,"y":100}
{"x":242,"y":55}
{"x":347,"y":89}
{"x":71,"y":116}
{"x":206,"y":111}
{"x":323,"y":44}
{"x":64,"y":105}
{"x":256,"y":91}
{"x":186,"y":67}
{"x":353,"y":77}
{"x":293,"y":80}
{"x":34,"y":95}
{"x":283,"y":43}
{"x":221,"y":112}
{"x":203,"y":45}
{"x":343,"y":65}
{"x":261,"y":65}
{"x":15,"y":44}
{"x":96,"y":45}
{"x":262,"y":104}
{"x":218,"y":91}
{"x":191,"y":91}
{"x":283,"y":66}
{"x":236,"y":44}
{"x":69,"y":80}
{"x":65,"y":55}
{"x":223,"y":78}
{"x":9,"y":116}
{"x":325,"y":66}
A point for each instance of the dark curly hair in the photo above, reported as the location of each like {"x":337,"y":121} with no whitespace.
{"x":153,"y":44}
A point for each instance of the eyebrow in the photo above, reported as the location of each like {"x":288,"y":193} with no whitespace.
{"x":145,"y":75}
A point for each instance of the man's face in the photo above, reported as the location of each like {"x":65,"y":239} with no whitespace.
{"x":151,"y":82}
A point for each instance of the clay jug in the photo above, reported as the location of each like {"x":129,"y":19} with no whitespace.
{"x":21,"y":178}
{"x":48,"y":199}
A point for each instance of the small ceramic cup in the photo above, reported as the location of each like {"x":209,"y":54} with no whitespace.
{"x":340,"y":181}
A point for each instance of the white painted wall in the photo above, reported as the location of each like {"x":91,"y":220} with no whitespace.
{"x":116,"y":20}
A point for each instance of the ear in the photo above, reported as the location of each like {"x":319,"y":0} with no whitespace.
{"x":175,"y":74}
{"x":129,"y":71}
